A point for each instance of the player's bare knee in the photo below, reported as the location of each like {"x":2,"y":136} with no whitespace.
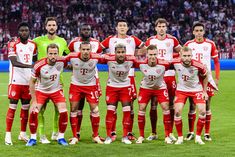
{"x":95,"y":110}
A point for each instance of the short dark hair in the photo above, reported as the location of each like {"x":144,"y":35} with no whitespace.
{"x":185,"y":48}
{"x":198,"y":24}
{"x":121,"y":20}
{"x":22,"y":24}
{"x":120,"y":45}
{"x":85,"y":43}
{"x":151,"y":47}
{"x":50,"y":19}
{"x":52,"y":46}
{"x":161,"y":20}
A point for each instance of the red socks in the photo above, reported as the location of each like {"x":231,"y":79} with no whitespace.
{"x":126,"y":119}
{"x":200,"y":124}
{"x":109,"y":119}
{"x":95,"y":121}
{"x":141,"y":122}
{"x":24,"y":115}
{"x":10,"y":116}
{"x":80,"y":116}
{"x":167,"y":122}
{"x":63,"y":121}
{"x":74,"y":122}
{"x":208,"y":122}
{"x":179,"y":126}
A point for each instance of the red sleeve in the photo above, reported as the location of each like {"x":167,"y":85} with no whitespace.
{"x":214,"y":52}
{"x":147,"y":43}
{"x":105,"y":42}
{"x":201,"y":68}
{"x":138,"y":42}
{"x":36,"y":71}
{"x":217,"y":67}
{"x":176,"y":42}
{"x":71,"y":46}
{"x":100,"y":49}
{"x":166,"y":64}
{"x":176,"y":55}
{"x":11,"y":49}
{"x":136,"y":63}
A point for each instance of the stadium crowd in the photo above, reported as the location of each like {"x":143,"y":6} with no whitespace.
{"x":218,"y":17}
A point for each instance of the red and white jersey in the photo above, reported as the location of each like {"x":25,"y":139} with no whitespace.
{"x":203,"y":52}
{"x":84,"y":73}
{"x":24,"y":54}
{"x":74,"y":45}
{"x":48,"y":76}
{"x":165,"y":49}
{"x":118,"y":73}
{"x":131,"y":43}
{"x":153,"y":76}
{"x":188,"y":77}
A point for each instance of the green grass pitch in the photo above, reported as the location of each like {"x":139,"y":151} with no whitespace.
{"x":222,"y":130}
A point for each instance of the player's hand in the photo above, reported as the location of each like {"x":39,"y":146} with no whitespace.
{"x":205,"y":95}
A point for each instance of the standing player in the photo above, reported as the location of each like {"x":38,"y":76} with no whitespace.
{"x":42,"y":43}
{"x":153,"y":85}
{"x":166,"y":46}
{"x":84,"y":85}
{"x":21,"y":53}
{"x":189,"y":86}
{"x":203,"y":51}
{"x":46,"y":73}
{"x":119,"y":89}
{"x":131,"y":43}
{"x":74,"y":46}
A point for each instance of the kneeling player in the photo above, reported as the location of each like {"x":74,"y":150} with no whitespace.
{"x":189,"y":86}
{"x":47,"y":72}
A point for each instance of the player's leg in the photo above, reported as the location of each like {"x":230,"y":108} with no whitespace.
{"x":163,"y":99}
{"x":111,"y":101}
{"x":143,"y":99}
{"x":9,"y":120}
{"x":207,"y":136}
{"x":41,"y":124}
{"x":59,"y":100}
{"x":133,"y":96}
{"x":153,"y":119}
{"x":54,"y":134}
{"x":74,"y":121}
{"x":191,"y":120}
{"x":201,"y":121}
{"x":24,"y":114}
{"x":171,"y":86}
{"x":33,"y":122}
{"x":92,"y":97}
{"x":81,"y":105}
{"x":180,"y":99}
{"x":13,"y":96}
{"x":35,"y":109}
{"x":125,"y":98}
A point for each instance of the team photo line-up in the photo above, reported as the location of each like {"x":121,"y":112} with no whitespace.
{"x":35,"y":78}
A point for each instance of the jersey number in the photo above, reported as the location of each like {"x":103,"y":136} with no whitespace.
{"x":53,"y":77}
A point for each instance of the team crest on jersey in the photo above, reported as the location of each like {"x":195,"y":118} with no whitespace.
{"x":59,"y":67}
{"x":30,"y":48}
{"x":46,"y":72}
{"x":191,"y":71}
{"x":113,"y":67}
{"x":205,"y":48}
{"x":21,"y":50}
{"x":158,"y":71}
{"x":168,"y":44}
{"x":145,"y":71}
{"x":128,"y":41}
{"x":90,"y":64}
{"x":13,"y":93}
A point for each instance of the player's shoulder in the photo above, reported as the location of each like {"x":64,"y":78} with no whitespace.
{"x":197,"y":64}
{"x":152,"y":37}
{"x":40,"y":63}
{"x":176,"y":60}
{"x":94,"y":40}
{"x":130,"y":57}
{"x":32,"y":42}
{"x":162,"y":62}
{"x":73,"y":55}
{"x":169,"y":36}
{"x":189,"y":42}
{"x":110,"y":37}
{"x":61,"y":59}
{"x":209,"y":41}
{"x":60,"y":39}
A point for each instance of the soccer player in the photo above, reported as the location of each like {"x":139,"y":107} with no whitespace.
{"x":46,"y":73}
{"x":21,"y":53}
{"x":189,"y":86}
{"x":119,"y":89}
{"x":153,"y":85}
{"x":74,"y":46}
{"x":166,"y":46}
{"x":84,"y":85}
{"x":203,"y":50}
{"x":42,"y":43}
{"x":131,"y":43}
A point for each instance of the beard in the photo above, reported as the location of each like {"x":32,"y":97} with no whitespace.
{"x":51,"y":33}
